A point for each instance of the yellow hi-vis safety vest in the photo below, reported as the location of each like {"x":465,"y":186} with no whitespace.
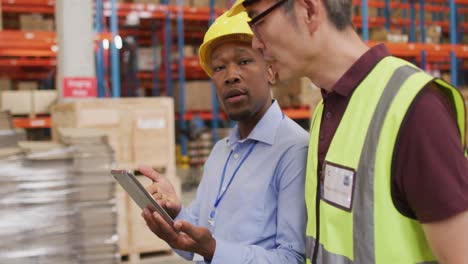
{"x":366,"y":227}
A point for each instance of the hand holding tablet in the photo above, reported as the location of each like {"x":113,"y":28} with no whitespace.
{"x":133,"y":187}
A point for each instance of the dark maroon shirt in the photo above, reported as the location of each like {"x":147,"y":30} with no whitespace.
{"x":430,"y":171}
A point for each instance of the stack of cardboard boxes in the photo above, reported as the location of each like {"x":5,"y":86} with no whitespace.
{"x":198,"y":151}
{"x":69,"y":194}
{"x":93,"y":191}
{"x":198,"y":96}
{"x":140,"y":131}
{"x":297,"y":93}
{"x":25,"y":99}
{"x":9,"y":136}
{"x":35,"y":22}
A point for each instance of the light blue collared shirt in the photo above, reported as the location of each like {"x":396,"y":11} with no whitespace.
{"x":262,"y":216}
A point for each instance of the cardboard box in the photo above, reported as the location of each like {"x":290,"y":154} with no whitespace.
{"x":433,"y":34}
{"x":27,"y":102}
{"x":35,"y":22}
{"x":198,"y":96}
{"x":47,"y":25}
{"x":27,"y":86}
{"x":140,"y":130}
{"x":392,"y":35}
{"x":146,"y":58}
{"x":447,"y":77}
{"x":5,"y":121}
{"x":30,"y":22}
{"x":288,"y":94}
{"x":5,"y":85}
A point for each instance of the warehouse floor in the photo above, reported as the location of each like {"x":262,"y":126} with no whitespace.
{"x":172,"y":259}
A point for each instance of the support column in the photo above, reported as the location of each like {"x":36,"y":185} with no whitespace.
{"x":75,"y":40}
{"x":1,"y":17}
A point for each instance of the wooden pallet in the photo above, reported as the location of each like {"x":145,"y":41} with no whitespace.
{"x":136,"y":257}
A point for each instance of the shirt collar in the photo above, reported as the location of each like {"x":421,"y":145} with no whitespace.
{"x":264,"y":131}
{"x":359,"y":70}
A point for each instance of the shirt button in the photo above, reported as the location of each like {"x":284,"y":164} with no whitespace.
{"x":236,"y":156}
{"x":328,"y":115}
{"x":322,"y":138}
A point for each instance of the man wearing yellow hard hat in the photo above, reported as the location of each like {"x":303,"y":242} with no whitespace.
{"x":250,"y":205}
{"x":387,"y":174}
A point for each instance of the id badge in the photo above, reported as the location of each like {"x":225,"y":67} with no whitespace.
{"x":197,"y":257}
{"x":338,"y":185}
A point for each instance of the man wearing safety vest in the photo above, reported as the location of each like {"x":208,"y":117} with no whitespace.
{"x":387,"y":174}
{"x":250,"y":204}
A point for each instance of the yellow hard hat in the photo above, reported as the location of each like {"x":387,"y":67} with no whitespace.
{"x":237,"y":7}
{"x":224,"y":28}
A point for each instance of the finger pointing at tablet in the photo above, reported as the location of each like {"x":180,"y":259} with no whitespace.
{"x":162,"y":191}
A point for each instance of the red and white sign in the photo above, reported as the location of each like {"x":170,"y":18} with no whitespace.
{"x":79,"y":87}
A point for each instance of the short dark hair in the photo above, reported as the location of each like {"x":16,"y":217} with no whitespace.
{"x":339,"y":12}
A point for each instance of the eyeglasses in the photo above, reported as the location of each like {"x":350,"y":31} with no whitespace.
{"x":253,"y":23}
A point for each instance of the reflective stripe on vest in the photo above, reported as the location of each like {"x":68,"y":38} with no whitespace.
{"x":361,"y":245}
{"x":364,"y":208}
{"x":327,"y":257}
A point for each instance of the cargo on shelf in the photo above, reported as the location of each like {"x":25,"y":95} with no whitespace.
{"x":198,"y":96}
{"x":27,"y":102}
{"x":295,"y":93}
{"x":140,"y":130}
{"x":6,"y":85}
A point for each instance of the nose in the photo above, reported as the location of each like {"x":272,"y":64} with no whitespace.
{"x":257,"y":43}
{"x":232,"y":75}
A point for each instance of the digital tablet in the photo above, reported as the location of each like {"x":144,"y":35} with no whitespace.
{"x":133,"y":187}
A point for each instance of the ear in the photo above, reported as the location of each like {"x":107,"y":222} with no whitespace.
{"x":310,"y":12}
{"x":271,"y":76}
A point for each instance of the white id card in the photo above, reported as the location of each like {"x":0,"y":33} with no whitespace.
{"x":338,"y":186}
{"x":197,"y":257}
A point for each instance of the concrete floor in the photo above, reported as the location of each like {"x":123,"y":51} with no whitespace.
{"x":172,"y":259}
{"x":168,"y":259}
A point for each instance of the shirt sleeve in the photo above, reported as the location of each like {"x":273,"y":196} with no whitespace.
{"x":431,"y":179}
{"x":291,"y":219}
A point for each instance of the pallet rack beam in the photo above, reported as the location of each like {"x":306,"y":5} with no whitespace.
{"x":36,"y":122}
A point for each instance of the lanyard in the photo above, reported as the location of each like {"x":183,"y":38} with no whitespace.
{"x":220,"y":195}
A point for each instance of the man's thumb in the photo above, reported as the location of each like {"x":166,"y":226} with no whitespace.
{"x":187,"y":228}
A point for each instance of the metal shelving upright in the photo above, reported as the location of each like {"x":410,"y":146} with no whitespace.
{"x":215,"y":120}
{"x":115,"y":60}
{"x":99,"y":28}
{"x":181,"y":68}
{"x":453,"y":41}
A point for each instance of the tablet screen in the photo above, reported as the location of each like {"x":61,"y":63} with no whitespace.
{"x":133,"y":187}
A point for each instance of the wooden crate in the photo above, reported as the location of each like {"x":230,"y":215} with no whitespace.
{"x":140,"y":130}
{"x":135,"y":238}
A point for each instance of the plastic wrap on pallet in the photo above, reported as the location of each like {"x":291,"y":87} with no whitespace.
{"x":10,"y":138}
{"x":58,"y":206}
